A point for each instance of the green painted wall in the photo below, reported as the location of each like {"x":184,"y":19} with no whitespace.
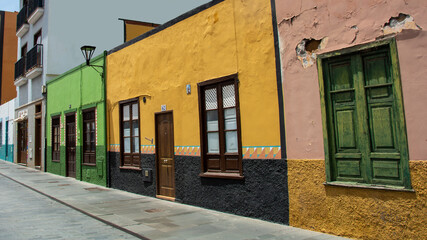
{"x":80,"y":88}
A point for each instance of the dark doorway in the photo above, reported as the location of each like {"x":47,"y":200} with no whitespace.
{"x":165,"y":155}
{"x":37,"y":142}
{"x":22,"y":142}
{"x":70,"y":145}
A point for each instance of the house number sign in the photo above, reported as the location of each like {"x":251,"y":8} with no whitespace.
{"x":163,"y":108}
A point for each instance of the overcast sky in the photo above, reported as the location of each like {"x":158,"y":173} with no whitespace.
{"x":9,"y":5}
{"x":171,"y":7}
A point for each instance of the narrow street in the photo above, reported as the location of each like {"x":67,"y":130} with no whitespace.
{"x":29,"y":215}
{"x":39,"y":205}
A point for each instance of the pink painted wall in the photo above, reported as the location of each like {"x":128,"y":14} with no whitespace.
{"x":346,"y":23}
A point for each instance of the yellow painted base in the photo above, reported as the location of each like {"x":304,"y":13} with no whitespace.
{"x":356,"y":213}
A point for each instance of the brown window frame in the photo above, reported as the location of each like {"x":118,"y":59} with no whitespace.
{"x":89,"y":153}
{"x":56,"y":145}
{"x":224,"y":158}
{"x":134,"y":156}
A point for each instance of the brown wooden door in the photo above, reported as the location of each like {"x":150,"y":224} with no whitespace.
{"x":164,"y":155}
{"x":70,"y":145}
{"x":22,"y":142}
{"x":37,"y":141}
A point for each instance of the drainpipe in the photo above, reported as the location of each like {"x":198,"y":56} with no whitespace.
{"x":45,"y":136}
{"x":279,"y":79}
{"x":107,"y":157}
{"x":79,"y":113}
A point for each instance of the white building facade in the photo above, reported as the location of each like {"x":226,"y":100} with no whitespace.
{"x":7,"y":113}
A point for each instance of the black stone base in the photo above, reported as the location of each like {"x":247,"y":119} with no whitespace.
{"x":131,"y":180}
{"x":262,"y":194}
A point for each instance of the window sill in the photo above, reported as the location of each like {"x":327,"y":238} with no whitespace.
{"x":368,"y":186}
{"x":221,"y":175}
{"x":130,"y":168}
{"x":56,"y":161}
{"x":89,"y":164}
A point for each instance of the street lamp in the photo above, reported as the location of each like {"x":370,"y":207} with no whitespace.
{"x":87,"y":52}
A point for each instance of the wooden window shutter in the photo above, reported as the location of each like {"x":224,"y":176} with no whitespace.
{"x":366,"y":133}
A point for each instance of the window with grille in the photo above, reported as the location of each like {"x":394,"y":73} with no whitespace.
{"x":89,"y":137}
{"x":56,"y":137}
{"x":220,"y":128}
{"x":129,"y":133}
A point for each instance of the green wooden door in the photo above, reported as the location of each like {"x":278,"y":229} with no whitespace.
{"x":367,"y":142}
{"x":344,"y":121}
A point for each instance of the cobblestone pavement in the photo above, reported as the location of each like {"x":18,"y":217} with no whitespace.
{"x":26,"y":214}
{"x":38,"y":205}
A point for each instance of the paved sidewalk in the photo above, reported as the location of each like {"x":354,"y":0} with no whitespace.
{"x":150,"y":218}
{"x":28,"y":215}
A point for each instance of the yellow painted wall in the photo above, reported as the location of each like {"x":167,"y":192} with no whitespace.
{"x":230,"y":37}
{"x":353,"y":212}
{"x":133,"y":30}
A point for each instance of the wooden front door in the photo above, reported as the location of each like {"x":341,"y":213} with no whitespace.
{"x":164,"y":155}
{"x":22,"y":142}
{"x":37,"y":141}
{"x":70,"y":145}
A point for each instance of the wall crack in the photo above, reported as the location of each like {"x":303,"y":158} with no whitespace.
{"x":290,"y":20}
{"x":355,"y":34}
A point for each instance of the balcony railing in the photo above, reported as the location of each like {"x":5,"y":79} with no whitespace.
{"x":35,"y":57}
{"x":20,"y":68}
{"x":33,"y":5}
{"x":21,"y":18}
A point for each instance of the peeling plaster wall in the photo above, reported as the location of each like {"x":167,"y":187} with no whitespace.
{"x":354,"y":213}
{"x":345,"y":24}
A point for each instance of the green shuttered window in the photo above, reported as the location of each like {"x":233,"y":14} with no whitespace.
{"x":364,"y":128}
